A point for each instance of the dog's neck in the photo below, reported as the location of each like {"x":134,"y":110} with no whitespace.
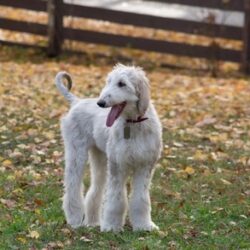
{"x":139,"y":119}
{"x":131,"y":114}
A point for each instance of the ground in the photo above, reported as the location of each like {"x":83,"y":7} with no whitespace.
{"x":200,"y":191}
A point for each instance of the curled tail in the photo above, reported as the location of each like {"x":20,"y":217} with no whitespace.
{"x":63,"y":89}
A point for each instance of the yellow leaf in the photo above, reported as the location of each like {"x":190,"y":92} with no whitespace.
{"x":37,"y":211}
{"x":200,"y":156}
{"x":10,"y":177}
{"x":18,"y":191}
{"x":189,"y":170}
{"x":21,"y":239}
{"x":7,"y":163}
{"x":49,"y":135}
{"x":222,"y":137}
{"x":18,"y":174}
{"x":34,"y":234}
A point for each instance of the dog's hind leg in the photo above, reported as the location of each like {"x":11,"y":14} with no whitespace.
{"x":93,"y":199}
{"x":75,"y":159}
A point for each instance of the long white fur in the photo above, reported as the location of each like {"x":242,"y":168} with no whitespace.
{"x":112,"y":157}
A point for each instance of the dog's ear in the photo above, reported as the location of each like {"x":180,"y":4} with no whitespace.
{"x":143,"y":93}
{"x":119,"y":66}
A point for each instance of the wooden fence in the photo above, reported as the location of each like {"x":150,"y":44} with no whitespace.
{"x":56,"y":33}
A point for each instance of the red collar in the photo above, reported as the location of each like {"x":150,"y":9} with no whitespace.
{"x":139,"y":119}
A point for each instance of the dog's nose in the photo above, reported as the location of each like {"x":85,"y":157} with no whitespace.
{"x":101,"y":104}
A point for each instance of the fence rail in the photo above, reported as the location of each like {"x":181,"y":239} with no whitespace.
{"x":36,"y":5}
{"x":21,"y":26}
{"x":153,"y":45}
{"x":55,"y":31}
{"x":233,"y":5}
{"x":149,"y":21}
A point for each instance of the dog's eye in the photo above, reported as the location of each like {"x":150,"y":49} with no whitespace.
{"x":121,"y":84}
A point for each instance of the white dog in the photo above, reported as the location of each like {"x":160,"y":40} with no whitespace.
{"x":122,"y":140}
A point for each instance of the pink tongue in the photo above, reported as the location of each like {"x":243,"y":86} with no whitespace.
{"x":114,"y":114}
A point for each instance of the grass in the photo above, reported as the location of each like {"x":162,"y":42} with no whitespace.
{"x":200,"y":191}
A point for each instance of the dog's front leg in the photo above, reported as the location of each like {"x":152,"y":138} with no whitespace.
{"x":139,"y":205}
{"x":115,"y":205}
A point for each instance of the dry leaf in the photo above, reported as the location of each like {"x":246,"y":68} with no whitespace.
{"x":172,"y":194}
{"x":9,"y":203}
{"x":7,"y":163}
{"x":226,"y":182}
{"x":206,"y":121}
{"x":141,"y":238}
{"x":178,"y":144}
{"x":22,"y":240}
{"x":200,"y":156}
{"x":232,"y":223}
{"x":189,"y":170}
{"x":34,"y":234}
{"x":85,"y":239}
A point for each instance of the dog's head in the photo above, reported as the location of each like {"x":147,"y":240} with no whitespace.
{"x":125,"y":86}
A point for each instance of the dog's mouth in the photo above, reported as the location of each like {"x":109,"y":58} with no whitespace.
{"x":114,"y":113}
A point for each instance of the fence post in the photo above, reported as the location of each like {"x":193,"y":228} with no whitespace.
{"x":55,"y":27}
{"x":246,"y":38}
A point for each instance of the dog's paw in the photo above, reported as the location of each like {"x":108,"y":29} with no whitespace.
{"x":74,"y":218}
{"x":74,"y":211}
{"x":146,"y":227}
{"x":75,"y":222}
{"x":91,"y":223}
{"x":111,"y":228}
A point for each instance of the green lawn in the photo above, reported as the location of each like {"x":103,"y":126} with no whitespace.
{"x":201,"y":188}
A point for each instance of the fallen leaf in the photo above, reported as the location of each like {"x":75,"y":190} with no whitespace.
{"x":172,"y":194}
{"x":38,"y":202}
{"x":7,"y":163}
{"x":34,"y":234}
{"x":206,"y":121}
{"x":55,"y":245}
{"x":85,"y":239}
{"x":243,"y":216}
{"x":206,"y":172}
{"x":189,"y":170}
{"x":66,"y":231}
{"x":22,"y":240}
{"x":232,"y":223}
{"x":200,"y":156}
{"x":178,"y":144}
{"x":50,"y":135}
{"x":141,"y":238}
{"x":226,"y":182}
{"x":8,"y":203}
{"x":163,"y":234}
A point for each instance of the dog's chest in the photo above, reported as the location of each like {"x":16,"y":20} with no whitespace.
{"x":130,"y":146}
